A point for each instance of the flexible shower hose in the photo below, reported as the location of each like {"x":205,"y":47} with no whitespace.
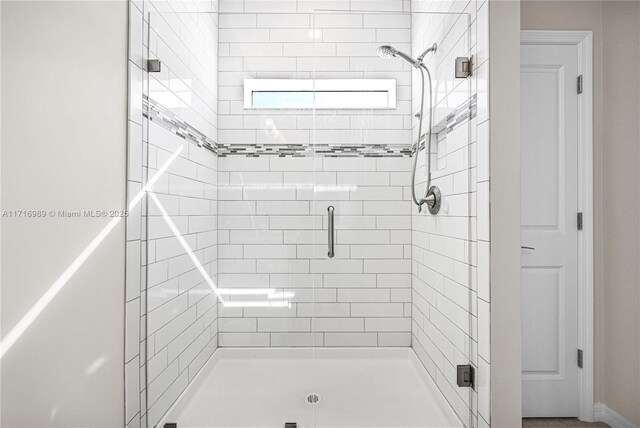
{"x":422,"y":69}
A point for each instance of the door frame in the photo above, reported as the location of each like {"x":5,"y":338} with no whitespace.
{"x":583,"y":40}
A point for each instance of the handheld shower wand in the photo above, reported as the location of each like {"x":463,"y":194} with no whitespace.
{"x":433,"y":197}
{"x":386,"y":51}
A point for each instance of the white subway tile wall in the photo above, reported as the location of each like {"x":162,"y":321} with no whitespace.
{"x":272,"y":234}
{"x":273,"y":210}
{"x":172,"y":243}
{"x":286,"y":39}
{"x":450,"y":301}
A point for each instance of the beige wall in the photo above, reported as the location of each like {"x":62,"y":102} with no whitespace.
{"x":504,"y":116}
{"x":621,"y":184}
{"x":616,"y":186}
{"x":63,"y":147}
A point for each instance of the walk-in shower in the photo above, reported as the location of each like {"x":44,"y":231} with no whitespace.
{"x":432,"y":198}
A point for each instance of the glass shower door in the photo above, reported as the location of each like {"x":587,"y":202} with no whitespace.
{"x":363,"y":160}
{"x":394,"y":312}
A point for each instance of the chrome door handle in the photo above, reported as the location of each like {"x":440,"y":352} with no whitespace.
{"x":331,"y":252}
{"x":524,"y":247}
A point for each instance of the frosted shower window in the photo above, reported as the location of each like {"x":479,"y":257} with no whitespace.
{"x":320,"y":93}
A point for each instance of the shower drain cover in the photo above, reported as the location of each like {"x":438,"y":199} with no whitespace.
{"x":312,"y":399}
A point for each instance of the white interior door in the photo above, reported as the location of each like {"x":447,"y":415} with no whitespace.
{"x":549,"y":161}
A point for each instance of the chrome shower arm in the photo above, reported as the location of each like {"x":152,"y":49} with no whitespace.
{"x":433,"y":48}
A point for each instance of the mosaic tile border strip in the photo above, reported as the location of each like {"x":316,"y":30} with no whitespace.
{"x":157,"y":113}
{"x":307,"y":150}
{"x":465,"y":112}
{"x":173,"y":123}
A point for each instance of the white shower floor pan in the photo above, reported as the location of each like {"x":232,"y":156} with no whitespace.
{"x":363,"y":387}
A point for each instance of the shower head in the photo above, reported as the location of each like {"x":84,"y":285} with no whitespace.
{"x":386,"y":51}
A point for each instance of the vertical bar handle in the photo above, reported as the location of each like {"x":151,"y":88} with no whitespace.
{"x":331,"y":252}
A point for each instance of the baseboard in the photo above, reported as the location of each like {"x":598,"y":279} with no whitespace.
{"x":603,"y":413}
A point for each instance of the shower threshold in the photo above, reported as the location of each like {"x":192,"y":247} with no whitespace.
{"x":322,"y":387}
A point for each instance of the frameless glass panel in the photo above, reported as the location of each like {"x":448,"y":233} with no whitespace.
{"x":398,"y":282}
{"x":228,"y":289}
{"x":181,"y":290}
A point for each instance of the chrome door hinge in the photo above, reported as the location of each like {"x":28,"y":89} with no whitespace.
{"x":580,"y":358}
{"x":580,"y":84}
{"x":465,"y":376}
{"x":154,"y":66}
{"x":464,"y":67}
{"x":579,"y":221}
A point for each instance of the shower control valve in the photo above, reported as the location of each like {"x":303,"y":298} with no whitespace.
{"x":433,"y":199}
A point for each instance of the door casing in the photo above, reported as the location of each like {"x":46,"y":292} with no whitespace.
{"x":584,"y":42}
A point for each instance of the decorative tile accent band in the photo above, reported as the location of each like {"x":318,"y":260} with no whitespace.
{"x":171,"y":122}
{"x":306,"y":150}
{"x":154,"y":111}
{"x":463,"y":113}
